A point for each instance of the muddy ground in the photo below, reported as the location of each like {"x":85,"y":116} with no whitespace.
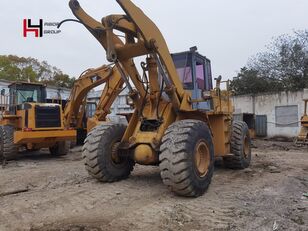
{"x":57,"y":194}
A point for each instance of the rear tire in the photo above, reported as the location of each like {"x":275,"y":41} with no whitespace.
{"x":187,"y":158}
{"x":9,"y":150}
{"x":61,"y":148}
{"x":240,"y":147}
{"x":100,"y":153}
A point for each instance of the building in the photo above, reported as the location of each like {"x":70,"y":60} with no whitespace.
{"x":278,"y":114}
{"x":118,"y":107}
{"x":282,"y":111}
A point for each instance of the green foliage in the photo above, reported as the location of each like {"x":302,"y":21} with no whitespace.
{"x":14,"y":68}
{"x":249,"y":81}
{"x":62,"y":80}
{"x":283,"y":67}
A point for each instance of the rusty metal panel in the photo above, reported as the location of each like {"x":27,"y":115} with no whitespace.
{"x":261,"y":125}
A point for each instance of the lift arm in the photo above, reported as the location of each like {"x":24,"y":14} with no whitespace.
{"x":74,"y":109}
{"x":100,"y":32}
{"x":142,"y":37}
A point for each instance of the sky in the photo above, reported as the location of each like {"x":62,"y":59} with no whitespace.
{"x":227,"y":32}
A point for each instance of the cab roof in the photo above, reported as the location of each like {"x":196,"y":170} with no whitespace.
{"x":27,"y":84}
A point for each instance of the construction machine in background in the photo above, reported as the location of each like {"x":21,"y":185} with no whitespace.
{"x":180,"y":122}
{"x":302,"y":138}
{"x":75,"y":108}
{"x":28,"y":122}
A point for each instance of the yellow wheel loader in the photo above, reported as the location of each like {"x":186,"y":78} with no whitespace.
{"x":302,"y":138}
{"x":28,"y":122}
{"x":180,"y":122}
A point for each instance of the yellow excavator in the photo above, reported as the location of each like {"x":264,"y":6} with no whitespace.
{"x":302,"y":138}
{"x":180,"y":122}
{"x":74,"y":110}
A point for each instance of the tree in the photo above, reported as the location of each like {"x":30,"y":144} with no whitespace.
{"x":16,"y":68}
{"x":61,"y":80}
{"x":283,"y":67}
{"x":248,"y":81}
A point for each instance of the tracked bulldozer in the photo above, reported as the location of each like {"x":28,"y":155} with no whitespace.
{"x":180,"y":122}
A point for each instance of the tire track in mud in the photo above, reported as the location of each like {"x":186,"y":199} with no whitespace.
{"x":91,"y":198}
{"x":236,"y":200}
{"x":177,"y":214}
{"x":119,"y":206}
{"x":56,"y":206}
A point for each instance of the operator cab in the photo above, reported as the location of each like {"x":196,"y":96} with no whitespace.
{"x":195,"y":73}
{"x":21,"y":93}
{"x":27,"y":93}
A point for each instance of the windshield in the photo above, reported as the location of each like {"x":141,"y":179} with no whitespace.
{"x":184,"y":69}
{"x":27,"y":96}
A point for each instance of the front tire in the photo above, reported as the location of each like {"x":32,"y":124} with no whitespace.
{"x":100,"y":153}
{"x":187,"y":158}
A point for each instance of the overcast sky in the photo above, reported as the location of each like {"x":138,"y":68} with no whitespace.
{"x":227,"y":32}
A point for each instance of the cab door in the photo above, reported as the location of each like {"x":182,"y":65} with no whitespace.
{"x":202,"y":80}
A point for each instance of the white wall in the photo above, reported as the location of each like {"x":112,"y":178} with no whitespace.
{"x":265,"y":105}
{"x":119,"y":106}
{"x":53,"y":93}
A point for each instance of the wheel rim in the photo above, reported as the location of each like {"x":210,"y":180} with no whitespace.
{"x":246,"y":148}
{"x":202,"y":158}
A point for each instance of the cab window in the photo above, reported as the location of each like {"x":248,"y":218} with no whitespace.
{"x":184,"y":69}
{"x":200,"y":75}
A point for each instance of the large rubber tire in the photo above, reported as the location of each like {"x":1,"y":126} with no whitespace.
{"x":100,"y":145}
{"x":178,"y":158}
{"x":9,"y":150}
{"x":240,"y":147}
{"x":61,"y":148}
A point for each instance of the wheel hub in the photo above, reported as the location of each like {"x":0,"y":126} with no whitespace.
{"x":202,"y":158}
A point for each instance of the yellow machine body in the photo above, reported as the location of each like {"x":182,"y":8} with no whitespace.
{"x":303,"y":135}
{"x":179,"y":122}
{"x":145,"y":145}
{"x":36,"y":125}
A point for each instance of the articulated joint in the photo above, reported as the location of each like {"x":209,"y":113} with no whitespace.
{"x":145,"y":155}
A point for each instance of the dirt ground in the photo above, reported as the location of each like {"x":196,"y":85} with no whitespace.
{"x":57,"y":194}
